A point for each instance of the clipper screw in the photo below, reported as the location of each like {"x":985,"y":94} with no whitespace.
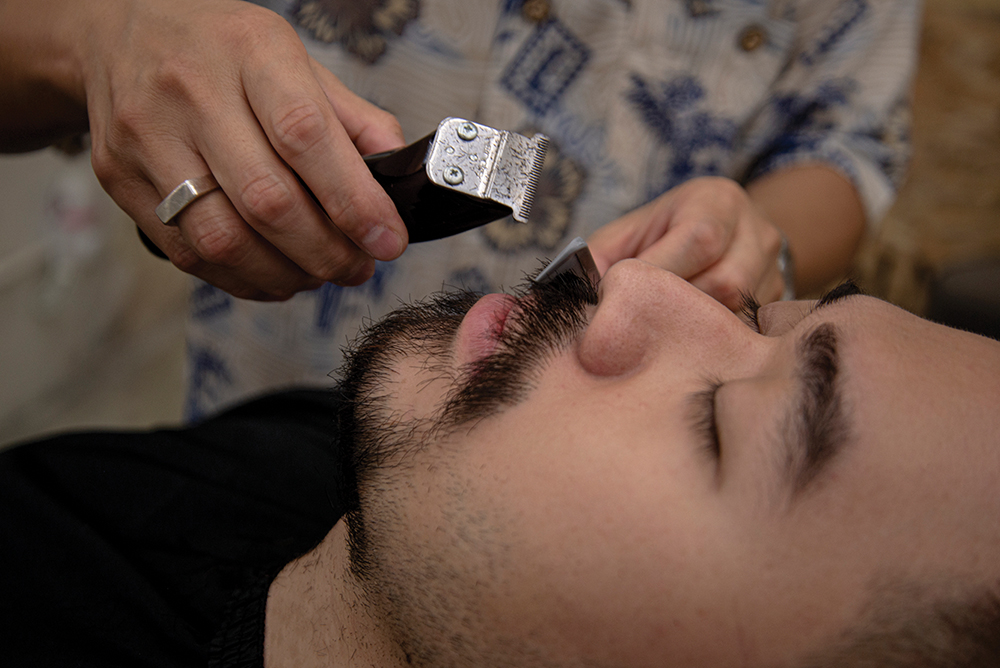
{"x":467,"y":131}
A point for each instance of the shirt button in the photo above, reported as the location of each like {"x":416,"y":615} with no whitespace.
{"x":536,"y":11}
{"x":698,"y":7}
{"x":752,"y":38}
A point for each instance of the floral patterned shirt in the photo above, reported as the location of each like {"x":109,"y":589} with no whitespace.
{"x":636,"y":97}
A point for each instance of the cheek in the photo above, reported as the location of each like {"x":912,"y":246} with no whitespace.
{"x":583,"y":518}
{"x":616,"y":523}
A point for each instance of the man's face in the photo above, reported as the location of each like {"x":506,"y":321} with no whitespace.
{"x":667,"y":485}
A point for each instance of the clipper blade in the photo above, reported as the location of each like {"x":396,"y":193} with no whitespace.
{"x":574,"y":258}
{"x":540,"y":149}
{"x":496,"y":165}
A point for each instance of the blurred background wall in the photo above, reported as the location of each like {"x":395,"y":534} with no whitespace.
{"x":91,"y":325}
{"x":948,"y":212}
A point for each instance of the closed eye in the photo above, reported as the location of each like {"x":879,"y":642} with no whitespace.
{"x":703,"y":401}
{"x":703,"y":418}
{"x":702,"y":412}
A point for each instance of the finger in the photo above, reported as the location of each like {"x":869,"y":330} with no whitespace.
{"x":272,"y":201}
{"x":626,"y":236}
{"x":211,"y":241}
{"x":694,"y":242}
{"x":728,"y":282}
{"x":218,"y":235}
{"x":771,"y":287}
{"x":676,"y":232}
{"x":304,"y":130}
{"x":372,"y":129}
{"x":749,"y":267}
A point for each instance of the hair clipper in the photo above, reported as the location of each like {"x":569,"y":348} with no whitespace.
{"x":461,"y":176}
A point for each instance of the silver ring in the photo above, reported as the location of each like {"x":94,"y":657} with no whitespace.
{"x":182,"y":196}
{"x":786,"y":265}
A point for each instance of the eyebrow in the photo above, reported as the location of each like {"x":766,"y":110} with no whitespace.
{"x":819,"y":426}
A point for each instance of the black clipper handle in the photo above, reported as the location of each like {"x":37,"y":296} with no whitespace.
{"x":428,"y":210}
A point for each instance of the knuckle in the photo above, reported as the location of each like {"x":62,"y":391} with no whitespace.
{"x":708,"y":239}
{"x":727,"y":187}
{"x":355,"y":212}
{"x":727,"y":288}
{"x":720,"y":193}
{"x":266,"y":198}
{"x":343,"y":212}
{"x":179,"y":79}
{"x":348,"y":268}
{"x":221,"y":243}
{"x":247,"y":23}
{"x":184,"y":258}
{"x":124,"y":138}
{"x":299,"y":126}
{"x":130,"y":112}
{"x":106,"y":167}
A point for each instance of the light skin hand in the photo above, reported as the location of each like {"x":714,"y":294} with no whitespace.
{"x":725,"y":239}
{"x":175,"y":90}
{"x":707,"y":231}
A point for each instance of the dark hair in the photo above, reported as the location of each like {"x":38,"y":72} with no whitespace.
{"x":369,"y":433}
{"x":909,"y":626}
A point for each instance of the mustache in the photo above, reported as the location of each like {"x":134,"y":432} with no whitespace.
{"x":549,"y":317}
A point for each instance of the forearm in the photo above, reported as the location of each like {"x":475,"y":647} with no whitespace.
{"x":821,"y":214}
{"x":42,"y":98}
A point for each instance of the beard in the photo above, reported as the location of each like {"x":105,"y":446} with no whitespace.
{"x":548,"y":318}
{"x":386,"y":448}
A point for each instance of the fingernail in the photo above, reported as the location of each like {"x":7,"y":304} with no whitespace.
{"x":382,"y":243}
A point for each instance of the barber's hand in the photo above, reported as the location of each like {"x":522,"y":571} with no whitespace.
{"x":177,"y":89}
{"x":707,"y":231}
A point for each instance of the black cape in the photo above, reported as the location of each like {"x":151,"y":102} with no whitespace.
{"x":157,"y":548}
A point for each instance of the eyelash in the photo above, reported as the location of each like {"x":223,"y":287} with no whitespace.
{"x":749,"y":309}
{"x":704,"y":418}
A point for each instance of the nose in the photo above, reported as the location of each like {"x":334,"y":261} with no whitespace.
{"x":779,"y":318}
{"x":645,"y":312}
